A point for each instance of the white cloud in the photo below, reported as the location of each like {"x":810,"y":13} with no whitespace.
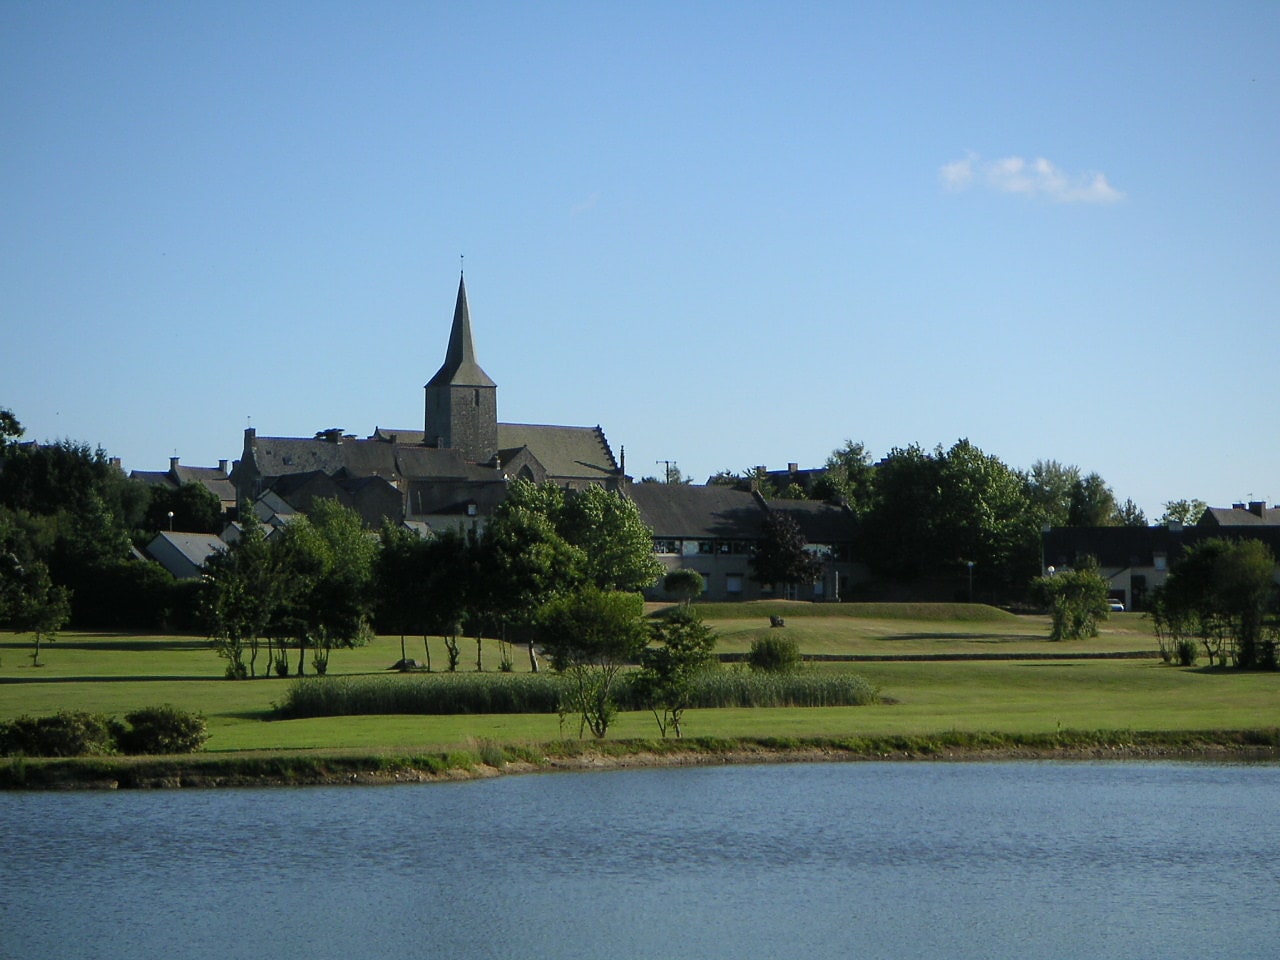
{"x":1034,"y":178}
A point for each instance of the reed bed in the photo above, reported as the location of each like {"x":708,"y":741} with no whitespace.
{"x":451,"y":694}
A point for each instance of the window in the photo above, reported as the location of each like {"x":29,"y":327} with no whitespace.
{"x":706,"y":546}
{"x":670,"y":547}
{"x":733,"y":583}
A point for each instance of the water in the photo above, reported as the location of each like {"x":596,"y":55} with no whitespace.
{"x":1025,"y":860}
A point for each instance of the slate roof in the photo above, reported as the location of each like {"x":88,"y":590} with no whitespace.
{"x":213,"y":479}
{"x":1256,"y":514}
{"x":1136,"y":546}
{"x":1110,"y":546}
{"x":819,"y":522}
{"x":563,"y":451}
{"x":692,"y":512}
{"x":460,"y":367}
{"x":195,"y":548}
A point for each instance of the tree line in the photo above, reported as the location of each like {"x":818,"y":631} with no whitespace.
{"x":933,"y":513}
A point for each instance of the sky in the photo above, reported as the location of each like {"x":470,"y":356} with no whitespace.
{"x":730,"y":234}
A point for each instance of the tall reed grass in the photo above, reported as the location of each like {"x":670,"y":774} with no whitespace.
{"x":441,"y":694}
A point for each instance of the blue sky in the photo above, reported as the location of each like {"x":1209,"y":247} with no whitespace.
{"x":730,"y":234}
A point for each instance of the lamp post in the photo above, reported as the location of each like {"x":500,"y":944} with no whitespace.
{"x":969,"y":564}
{"x":171,"y":521}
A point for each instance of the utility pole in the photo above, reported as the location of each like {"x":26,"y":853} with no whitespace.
{"x":666,"y":478}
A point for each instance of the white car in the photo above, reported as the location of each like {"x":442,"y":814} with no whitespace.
{"x":1115,"y":606}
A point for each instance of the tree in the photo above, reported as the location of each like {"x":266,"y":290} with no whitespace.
{"x":1224,"y":591}
{"x":1185,"y":512}
{"x":781,"y":555}
{"x":684,"y":584}
{"x":849,"y":477}
{"x":684,"y":645}
{"x":1077,"y":600}
{"x":30,"y":602}
{"x":523,"y":564}
{"x":447,"y":588}
{"x":590,"y":636}
{"x":934,"y":513}
{"x":1049,"y":487}
{"x":326,"y":561}
{"x":10,"y":429}
{"x":243,"y":589}
{"x":195,"y":509}
{"x":395,"y":577}
{"x":1092,"y":504}
{"x":616,"y":543}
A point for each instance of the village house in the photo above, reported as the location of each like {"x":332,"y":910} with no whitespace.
{"x":1136,"y":560}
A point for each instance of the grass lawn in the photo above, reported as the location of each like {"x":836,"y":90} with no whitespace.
{"x":114,"y":674}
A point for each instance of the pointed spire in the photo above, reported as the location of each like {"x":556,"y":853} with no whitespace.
{"x":460,"y":367}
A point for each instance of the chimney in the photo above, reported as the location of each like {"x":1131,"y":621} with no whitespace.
{"x":173,"y":463}
{"x":1257,"y":507}
{"x":222,"y":466}
{"x":793,"y":467}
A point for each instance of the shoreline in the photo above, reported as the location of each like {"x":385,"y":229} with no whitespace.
{"x":303,"y":770}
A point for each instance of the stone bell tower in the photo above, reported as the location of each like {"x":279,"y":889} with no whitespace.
{"x":462,"y":402}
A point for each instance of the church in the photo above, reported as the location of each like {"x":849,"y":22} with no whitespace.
{"x":455,"y":466}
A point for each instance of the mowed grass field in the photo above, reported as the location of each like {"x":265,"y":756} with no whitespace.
{"x":114,"y":674}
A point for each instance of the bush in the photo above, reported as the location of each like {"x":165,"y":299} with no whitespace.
{"x":65,"y":734}
{"x":772,"y":654}
{"x":1187,"y":650}
{"x":164,"y":729}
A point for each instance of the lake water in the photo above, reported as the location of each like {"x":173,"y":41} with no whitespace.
{"x":853,"y":860}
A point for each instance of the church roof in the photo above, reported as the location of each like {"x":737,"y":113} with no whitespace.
{"x":563,"y":451}
{"x":460,"y":368}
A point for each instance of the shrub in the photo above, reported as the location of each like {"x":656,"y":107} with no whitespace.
{"x":164,"y":729}
{"x":773,"y":654}
{"x":1186,"y":649}
{"x":66,"y":734}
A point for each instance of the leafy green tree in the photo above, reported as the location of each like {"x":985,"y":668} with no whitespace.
{"x":898,"y":537}
{"x":1224,"y":591}
{"x":243,"y":590}
{"x":616,"y":543}
{"x":684,"y":584}
{"x":781,"y":555}
{"x":1092,"y":504}
{"x":523,"y":564}
{"x":1129,"y":514}
{"x":983,"y":517}
{"x":683,"y":647}
{"x":10,"y":429}
{"x":1049,"y":487}
{"x":1077,"y":601}
{"x":727,"y":478}
{"x":590,"y":637}
{"x":1185,"y":512}
{"x":934,"y":513}
{"x":397,"y":604}
{"x":850,"y":477}
{"x":327,"y":565}
{"x":194,"y":509}
{"x":448,"y":589}
{"x":30,"y":602}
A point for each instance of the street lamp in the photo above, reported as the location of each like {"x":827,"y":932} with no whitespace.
{"x":171,"y":521}
{"x":969,"y":564}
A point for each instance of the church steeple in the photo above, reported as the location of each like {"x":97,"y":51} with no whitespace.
{"x":462,"y":401}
